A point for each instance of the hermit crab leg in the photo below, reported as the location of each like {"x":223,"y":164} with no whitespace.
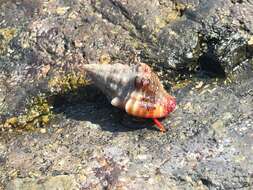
{"x":159,"y":125}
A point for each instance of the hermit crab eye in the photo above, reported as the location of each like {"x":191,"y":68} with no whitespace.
{"x":141,"y":82}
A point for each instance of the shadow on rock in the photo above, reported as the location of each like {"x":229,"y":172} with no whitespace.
{"x":89,"y":104}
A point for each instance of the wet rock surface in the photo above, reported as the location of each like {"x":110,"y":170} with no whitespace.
{"x":58,"y":131}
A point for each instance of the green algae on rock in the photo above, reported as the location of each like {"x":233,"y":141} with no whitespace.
{"x":39,"y":108}
{"x":67,"y":83}
{"x":6,"y":35}
{"x":38,"y":114}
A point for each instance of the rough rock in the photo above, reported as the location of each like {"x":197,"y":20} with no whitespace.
{"x":58,"y":131}
{"x":54,"y":183}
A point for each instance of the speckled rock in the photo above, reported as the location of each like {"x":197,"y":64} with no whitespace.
{"x":54,"y":183}
{"x":60,"y":132}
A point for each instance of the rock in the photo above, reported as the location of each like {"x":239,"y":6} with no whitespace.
{"x":43,"y":130}
{"x":57,"y":182}
{"x":50,"y":47}
{"x":59,"y":131}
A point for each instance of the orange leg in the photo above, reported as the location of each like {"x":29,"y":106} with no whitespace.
{"x":159,"y":125}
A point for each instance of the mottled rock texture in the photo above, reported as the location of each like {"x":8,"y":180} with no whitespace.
{"x":59,"y":131}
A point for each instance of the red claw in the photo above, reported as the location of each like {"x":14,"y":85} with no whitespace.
{"x":159,"y":125}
